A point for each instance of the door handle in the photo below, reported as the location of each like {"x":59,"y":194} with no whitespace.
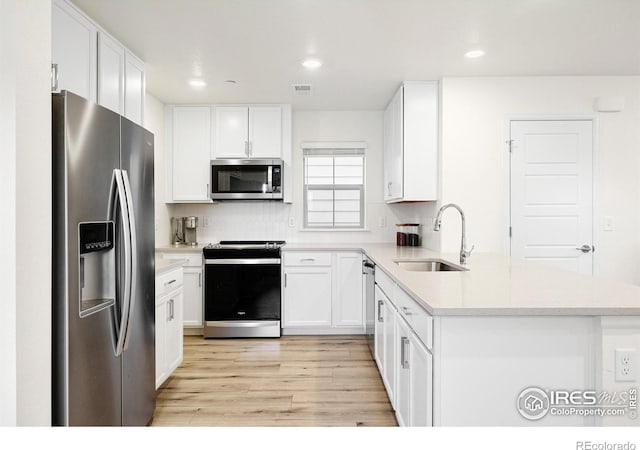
{"x":117,"y":197}
{"x":404,"y":362}
{"x":380,"y":318}
{"x":586,"y":248}
{"x":134,"y":256}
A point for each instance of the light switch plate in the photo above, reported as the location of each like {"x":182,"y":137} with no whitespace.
{"x":608,"y":223}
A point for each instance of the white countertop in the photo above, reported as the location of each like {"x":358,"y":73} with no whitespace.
{"x":496,"y":285}
{"x":180,"y":248}
{"x":164,"y":265}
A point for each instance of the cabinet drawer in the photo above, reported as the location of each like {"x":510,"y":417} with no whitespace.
{"x":194,"y":259}
{"x":307,"y":258}
{"x":386,"y":283}
{"x":168,"y":281}
{"x":418,"y":319}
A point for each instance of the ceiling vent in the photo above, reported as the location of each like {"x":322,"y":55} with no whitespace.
{"x":302,"y":89}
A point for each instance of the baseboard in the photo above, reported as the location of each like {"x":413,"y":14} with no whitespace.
{"x":192,"y":331}
{"x":293,"y":331}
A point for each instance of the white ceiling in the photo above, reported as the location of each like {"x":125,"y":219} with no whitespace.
{"x":367,"y":46}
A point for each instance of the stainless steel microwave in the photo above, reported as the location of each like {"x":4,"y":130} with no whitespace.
{"x":246,"y":179}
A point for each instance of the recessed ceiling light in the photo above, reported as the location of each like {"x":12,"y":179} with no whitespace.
{"x":474,"y":54}
{"x":312,"y":63}
{"x":197,"y":83}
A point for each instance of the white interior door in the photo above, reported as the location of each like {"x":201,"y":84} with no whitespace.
{"x":552,"y":192}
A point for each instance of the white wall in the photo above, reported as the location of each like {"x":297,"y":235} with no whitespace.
{"x":269,"y":220}
{"x":154,"y":122}
{"x":25,"y":122}
{"x":474,"y":164}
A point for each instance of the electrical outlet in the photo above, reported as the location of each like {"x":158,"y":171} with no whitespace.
{"x":608,"y":223}
{"x":382,"y":221}
{"x":625,"y":364}
{"x":292,"y":222}
{"x":205,"y":221}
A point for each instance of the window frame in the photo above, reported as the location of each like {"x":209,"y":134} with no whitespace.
{"x":333,"y":150}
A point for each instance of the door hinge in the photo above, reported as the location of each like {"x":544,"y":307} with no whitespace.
{"x":509,"y":142}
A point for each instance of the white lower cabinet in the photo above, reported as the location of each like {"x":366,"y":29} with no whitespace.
{"x":192,"y":297}
{"x":322,"y":293}
{"x":193,"y":279}
{"x":307,"y":294}
{"x":347,"y":308}
{"x":414,"y":386}
{"x":403,"y":359}
{"x":169,"y":340}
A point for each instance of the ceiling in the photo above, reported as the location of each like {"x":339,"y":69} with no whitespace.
{"x":367,"y":46}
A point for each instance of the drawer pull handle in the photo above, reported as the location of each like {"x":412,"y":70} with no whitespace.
{"x":170,"y":282}
{"x":307,"y":259}
{"x":406,"y":311}
{"x":380,"y":318}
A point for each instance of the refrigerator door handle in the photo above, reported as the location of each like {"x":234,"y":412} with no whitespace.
{"x":133,"y":268}
{"x":117,"y":196}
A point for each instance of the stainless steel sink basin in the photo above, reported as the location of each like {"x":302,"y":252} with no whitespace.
{"x":429,"y":265}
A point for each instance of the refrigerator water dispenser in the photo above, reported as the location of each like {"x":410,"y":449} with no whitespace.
{"x":97,"y":266}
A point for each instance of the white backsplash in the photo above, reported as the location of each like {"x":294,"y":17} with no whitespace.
{"x":264,"y":220}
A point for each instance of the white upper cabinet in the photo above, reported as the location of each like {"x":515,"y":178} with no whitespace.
{"x":411,"y":143}
{"x":188,"y":147}
{"x":134,"y":88}
{"x":265,"y":132}
{"x":73,"y":47}
{"x":248,"y":132}
{"x":231,"y":132}
{"x":110,"y":73}
{"x":91,"y":63}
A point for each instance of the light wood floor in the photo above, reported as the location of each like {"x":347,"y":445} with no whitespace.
{"x":291,"y":381}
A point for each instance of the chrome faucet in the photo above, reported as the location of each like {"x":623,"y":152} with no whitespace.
{"x":464,"y":253}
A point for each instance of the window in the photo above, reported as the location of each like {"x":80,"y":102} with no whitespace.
{"x":334,"y":188}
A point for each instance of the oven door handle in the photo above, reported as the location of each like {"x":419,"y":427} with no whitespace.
{"x":242,"y":261}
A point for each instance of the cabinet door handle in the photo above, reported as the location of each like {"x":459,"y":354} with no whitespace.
{"x":307,"y":259}
{"x":389,"y":188}
{"x":208,"y":193}
{"x":404,"y":362}
{"x":285,"y":279}
{"x":170,"y":282}
{"x":406,"y":311}
{"x":169,"y":311}
{"x":250,"y":148}
{"x":380,"y":318}
{"x":54,"y":77}
{"x":199,"y":279}
{"x":246,"y":148}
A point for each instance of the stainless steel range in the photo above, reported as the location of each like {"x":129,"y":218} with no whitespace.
{"x":242,"y":289}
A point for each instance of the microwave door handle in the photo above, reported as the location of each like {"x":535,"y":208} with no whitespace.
{"x":270,"y":178}
{"x":133,"y":269}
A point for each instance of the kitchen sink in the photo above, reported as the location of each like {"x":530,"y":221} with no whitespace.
{"x":429,"y":265}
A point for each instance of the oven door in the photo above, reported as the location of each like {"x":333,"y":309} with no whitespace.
{"x":242,"y":289}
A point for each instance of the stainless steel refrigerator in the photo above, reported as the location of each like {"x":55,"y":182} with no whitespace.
{"x":103,"y":267}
